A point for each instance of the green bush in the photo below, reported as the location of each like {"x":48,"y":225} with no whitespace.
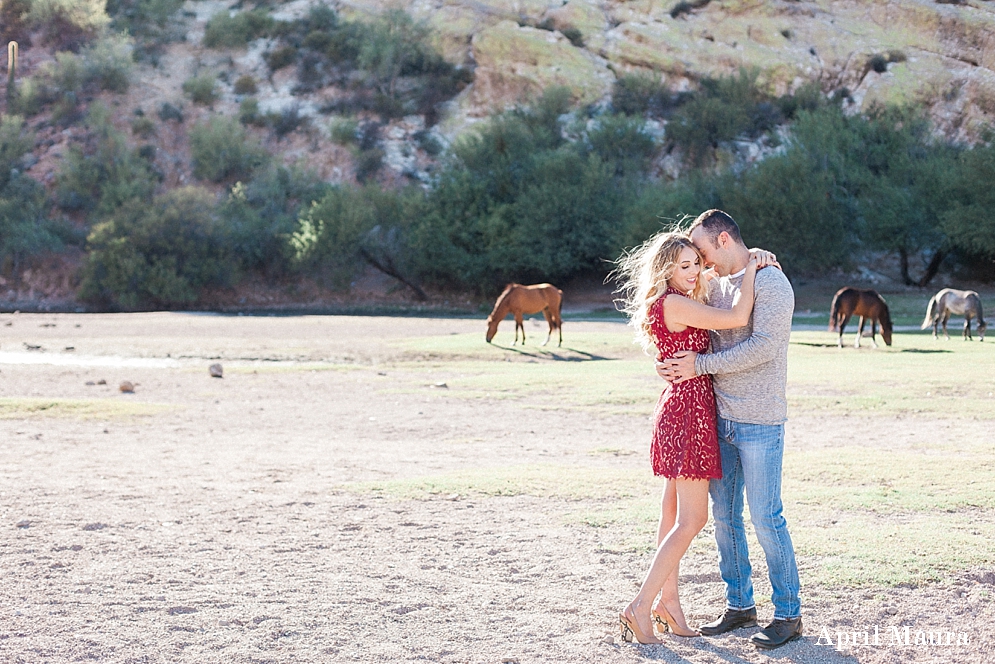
{"x":149,"y":22}
{"x":71,"y":77}
{"x":158,"y":254}
{"x":227,"y":31}
{"x":221,"y":150}
{"x":68,"y":24}
{"x":402,"y":72}
{"x":343,"y":131}
{"x":518,"y":202}
{"x":24,"y":229}
{"x":143,"y":126}
{"x":13,"y":22}
{"x":259,"y":215}
{"x":623,"y":141}
{"x":102,"y":173}
{"x":724,"y":109}
{"x":281,"y":57}
{"x":15,"y":142}
{"x":201,"y":89}
{"x":347,"y":228}
{"x":245,"y":85}
{"x":248,"y":112}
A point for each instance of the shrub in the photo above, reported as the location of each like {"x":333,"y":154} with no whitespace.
{"x":222,"y":150}
{"x":103,"y":173}
{"x":161,"y":254}
{"x":682,"y":8}
{"x":245,"y":85}
{"x":68,"y":24}
{"x":143,"y":126}
{"x":287,"y":120}
{"x":201,"y":89}
{"x":259,"y":215}
{"x":622,"y":141}
{"x":517,"y":202}
{"x":640,"y":94}
{"x":104,"y":65}
{"x":343,"y":131}
{"x":13,"y":23}
{"x":227,"y":31}
{"x":24,"y":225}
{"x":348,"y":227}
{"x":281,"y":57}
{"x":367,"y":163}
{"x":724,"y":109}
{"x":248,"y":112}
{"x":148,"y":22}
{"x":108,"y":61}
{"x":15,"y":142}
{"x":169,"y":112}
{"x":575,"y":36}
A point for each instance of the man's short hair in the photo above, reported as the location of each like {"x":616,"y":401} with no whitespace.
{"x":714,"y":222}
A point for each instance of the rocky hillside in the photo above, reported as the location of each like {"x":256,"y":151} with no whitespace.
{"x":941,"y":54}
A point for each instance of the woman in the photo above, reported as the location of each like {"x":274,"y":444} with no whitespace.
{"x":665,"y":291}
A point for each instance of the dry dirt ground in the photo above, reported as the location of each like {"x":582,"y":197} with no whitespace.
{"x":227,"y":520}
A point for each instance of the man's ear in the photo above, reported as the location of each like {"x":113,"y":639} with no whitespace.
{"x":722,"y":239}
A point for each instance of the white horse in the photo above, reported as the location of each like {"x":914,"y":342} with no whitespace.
{"x":962,"y":303}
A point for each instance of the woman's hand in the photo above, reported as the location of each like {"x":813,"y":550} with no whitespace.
{"x":764,"y":258}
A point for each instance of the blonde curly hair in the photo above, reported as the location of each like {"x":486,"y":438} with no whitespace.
{"x":643,"y":274}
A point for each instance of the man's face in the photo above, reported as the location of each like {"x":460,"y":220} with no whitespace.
{"x":711,"y":253}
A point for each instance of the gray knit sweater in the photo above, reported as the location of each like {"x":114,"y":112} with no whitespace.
{"x":750,"y":364}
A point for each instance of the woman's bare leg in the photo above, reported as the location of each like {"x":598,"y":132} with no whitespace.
{"x":668,"y":517}
{"x":692,"y":514}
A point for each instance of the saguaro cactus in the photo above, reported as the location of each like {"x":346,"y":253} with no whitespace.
{"x":11,"y":73}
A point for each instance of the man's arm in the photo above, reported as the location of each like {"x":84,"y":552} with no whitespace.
{"x":771,"y":329}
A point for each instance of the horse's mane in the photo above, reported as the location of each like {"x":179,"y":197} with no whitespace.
{"x":503,"y":296}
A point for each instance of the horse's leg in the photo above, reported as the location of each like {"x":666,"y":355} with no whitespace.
{"x":936,"y":328}
{"x":860,"y":332}
{"x":549,"y":321}
{"x":519,"y":324}
{"x":842,"y":325}
{"x":874,"y":331}
{"x":967,"y":328}
{"x":943,"y":320}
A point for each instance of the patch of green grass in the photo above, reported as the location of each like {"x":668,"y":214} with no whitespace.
{"x":16,"y":408}
{"x":915,"y":375}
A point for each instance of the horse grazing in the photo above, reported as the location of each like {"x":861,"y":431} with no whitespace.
{"x":865,"y":303}
{"x":966,"y":303}
{"x":519,"y":300}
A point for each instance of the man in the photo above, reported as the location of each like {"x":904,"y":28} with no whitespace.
{"x":749,"y":367}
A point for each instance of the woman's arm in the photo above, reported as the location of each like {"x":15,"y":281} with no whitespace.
{"x":687,"y":312}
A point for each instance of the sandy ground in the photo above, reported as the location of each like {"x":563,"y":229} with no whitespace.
{"x":221,"y":528}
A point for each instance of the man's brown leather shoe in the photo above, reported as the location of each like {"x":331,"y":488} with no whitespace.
{"x":777,"y":634}
{"x":730,"y":620}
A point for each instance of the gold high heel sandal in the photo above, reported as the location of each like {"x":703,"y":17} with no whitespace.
{"x":631,"y":632}
{"x":666,"y":621}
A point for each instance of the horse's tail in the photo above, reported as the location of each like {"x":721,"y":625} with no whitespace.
{"x":834,"y":312}
{"x":931,"y":312}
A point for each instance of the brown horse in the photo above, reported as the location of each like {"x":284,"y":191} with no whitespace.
{"x":520,"y":300}
{"x":865,"y":303}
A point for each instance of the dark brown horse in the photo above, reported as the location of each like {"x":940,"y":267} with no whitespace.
{"x":520,"y":300}
{"x":862,"y":302}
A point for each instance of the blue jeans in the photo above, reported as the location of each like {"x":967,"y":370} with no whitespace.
{"x":751,"y":460}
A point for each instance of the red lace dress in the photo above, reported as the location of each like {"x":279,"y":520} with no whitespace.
{"x":685,"y":443}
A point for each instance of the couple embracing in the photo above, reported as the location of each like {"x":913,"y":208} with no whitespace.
{"x":719,"y":427}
